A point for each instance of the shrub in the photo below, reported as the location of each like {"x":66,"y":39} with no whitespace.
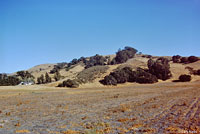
{"x":192,"y":59}
{"x":108,"y":80}
{"x":120,"y":75}
{"x":69,"y":83}
{"x":160,"y":68}
{"x":95,"y":60}
{"x":147,"y":56}
{"x":198,"y":72}
{"x":176,"y":59}
{"x":54,"y":70}
{"x":184,"y":78}
{"x":143,"y":77}
{"x":184,"y":60}
{"x":127,"y":75}
{"x":57,"y":67}
{"x":191,"y":70}
{"x":123,"y":55}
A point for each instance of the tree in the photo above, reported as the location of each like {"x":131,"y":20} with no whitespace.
{"x":192,"y":59}
{"x":47,"y":78}
{"x":57,"y":76}
{"x":95,"y":61}
{"x":184,"y":60}
{"x":176,"y":58}
{"x":40,"y":80}
{"x":9,"y":80}
{"x":160,"y":68}
{"x":25,"y":75}
{"x":123,"y":55}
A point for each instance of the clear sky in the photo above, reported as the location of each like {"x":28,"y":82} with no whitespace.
{"x":35,"y":32}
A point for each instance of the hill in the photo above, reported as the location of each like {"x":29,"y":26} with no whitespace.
{"x":89,"y":71}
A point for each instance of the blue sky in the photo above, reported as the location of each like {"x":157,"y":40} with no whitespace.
{"x":35,"y":32}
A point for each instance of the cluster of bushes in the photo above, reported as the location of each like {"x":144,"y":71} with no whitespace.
{"x":123,"y":55}
{"x":192,"y":71}
{"x":127,"y":75}
{"x":159,"y":69}
{"x":87,"y":75}
{"x":9,"y":80}
{"x":57,"y":67}
{"x":44,"y":79}
{"x":96,"y":60}
{"x":76,"y":61}
{"x":147,"y":56}
{"x":91,"y":61}
{"x":25,"y":75}
{"x":69,"y":83}
{"x":185,"y":60}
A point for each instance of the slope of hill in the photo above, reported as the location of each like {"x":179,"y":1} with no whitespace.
{"x":88,"y":68}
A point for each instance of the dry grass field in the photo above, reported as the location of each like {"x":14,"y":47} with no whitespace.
{"x":164,"y":107}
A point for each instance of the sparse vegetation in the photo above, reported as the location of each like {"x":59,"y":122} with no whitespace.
{"x":192,"y":71}
{"x":90,"y":74}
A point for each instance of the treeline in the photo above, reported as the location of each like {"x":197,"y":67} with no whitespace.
{"x":98,"y":60}
{"x":21,"y":76}
{"x":43,"y":79}
{"x":8,"y":80}
{"x":185,"y":60}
